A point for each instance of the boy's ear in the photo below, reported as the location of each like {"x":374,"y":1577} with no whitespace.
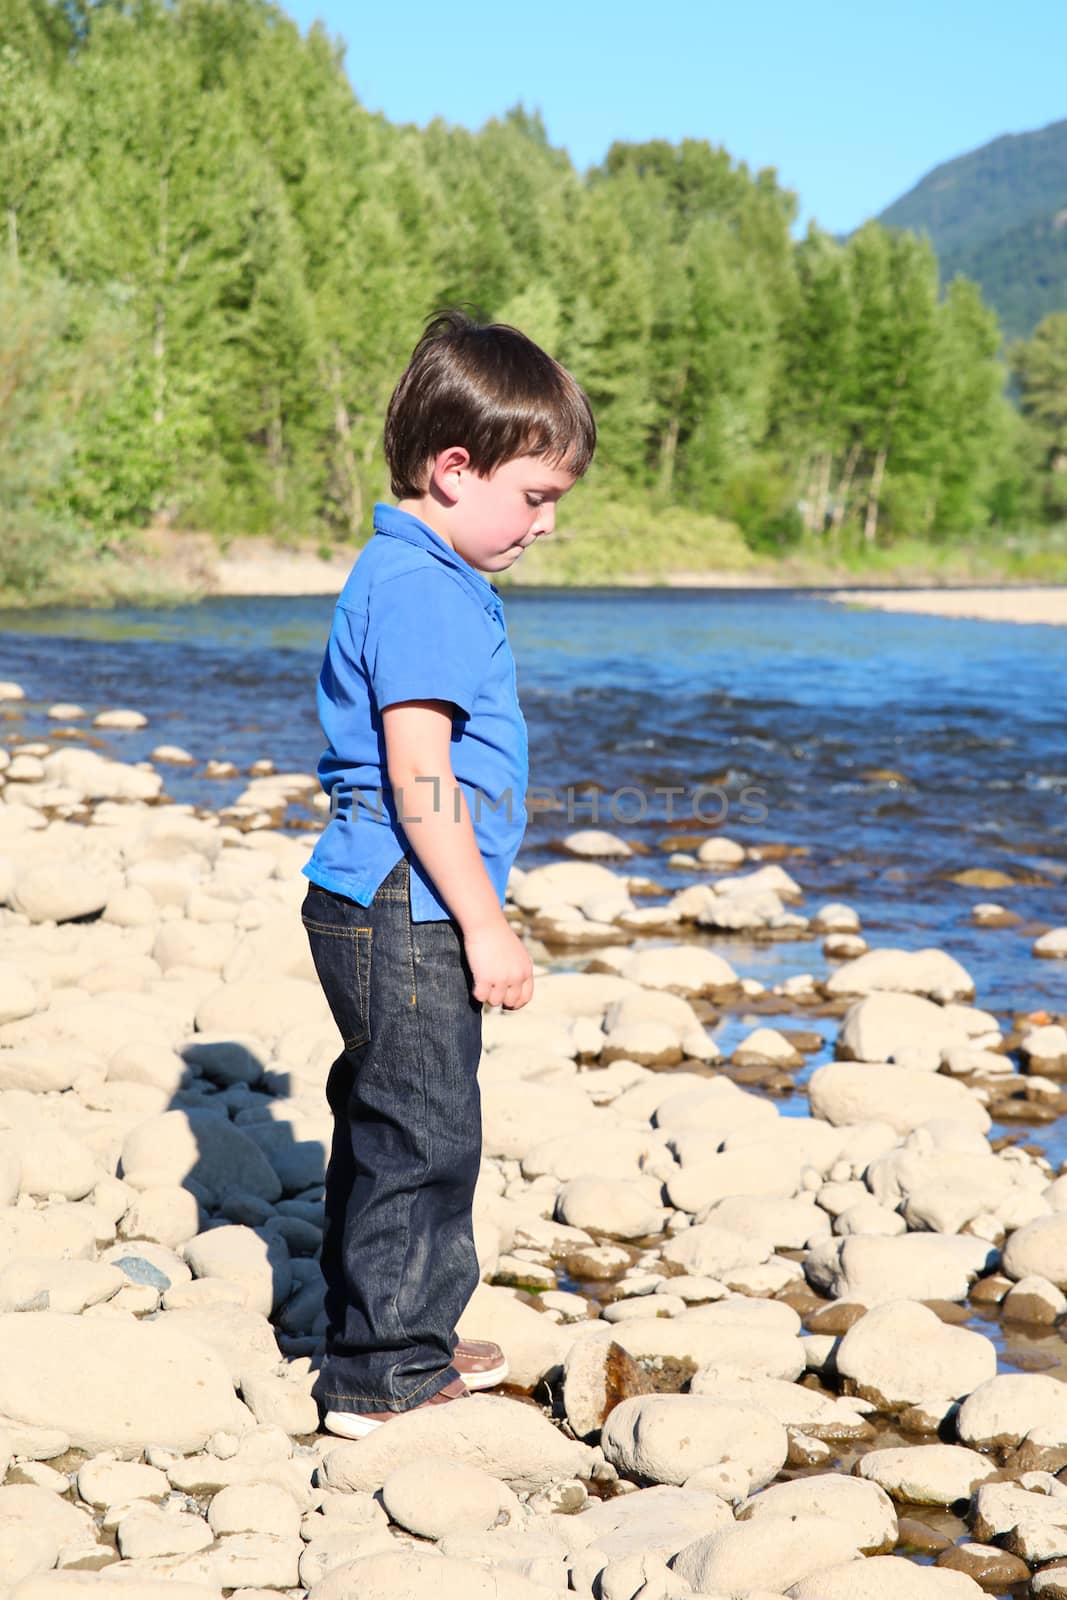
{"x":448,"y":470}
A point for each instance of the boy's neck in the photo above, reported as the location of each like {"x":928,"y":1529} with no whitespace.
{"x":428,"y":510}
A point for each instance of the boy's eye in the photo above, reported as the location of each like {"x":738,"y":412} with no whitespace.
{"x":535,"y":500}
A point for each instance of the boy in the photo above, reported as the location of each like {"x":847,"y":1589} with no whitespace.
{"x":426,"y":768}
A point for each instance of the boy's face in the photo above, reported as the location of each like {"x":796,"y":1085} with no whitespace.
{"x":495,"y":518}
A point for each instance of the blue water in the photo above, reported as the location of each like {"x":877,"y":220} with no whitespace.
{"x":895,"y":750}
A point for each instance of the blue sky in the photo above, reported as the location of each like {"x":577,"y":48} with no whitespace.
{"x":851,"y":102}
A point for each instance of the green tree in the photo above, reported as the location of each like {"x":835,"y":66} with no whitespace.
{"x":164,"y":219}
{"x":270,"y":411}
{"x":894,"y":284}
{"x":972,"y":416}
{"x":817,"y":380}
{"x":55,"y":345}
{"x":40,"y":30}
{"x":734,"y":324}
{"x":1040,"y":364}
{"x":607,"y":315}
{"x":31,"y":131}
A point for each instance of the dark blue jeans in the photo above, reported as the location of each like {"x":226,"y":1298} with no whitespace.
{"x":398,"y":1248}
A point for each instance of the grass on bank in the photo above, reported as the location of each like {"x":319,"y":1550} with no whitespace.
{"x":605,"y":542}
{"x":46,"y":565}
{"x":988,"y":558}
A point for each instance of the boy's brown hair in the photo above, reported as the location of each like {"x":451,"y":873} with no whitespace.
{"x":490,"y":388}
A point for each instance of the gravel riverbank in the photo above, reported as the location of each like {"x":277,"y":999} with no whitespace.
{"x":1044,"y":605}
{"x":761,"y":1346}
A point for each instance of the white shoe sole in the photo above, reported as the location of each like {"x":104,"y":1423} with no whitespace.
{"x":486,"y":1380}
{"x":354,"y":1425}
{"x":349,"y":1424}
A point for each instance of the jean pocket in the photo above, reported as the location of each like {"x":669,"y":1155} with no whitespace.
{"x":342,"y":958}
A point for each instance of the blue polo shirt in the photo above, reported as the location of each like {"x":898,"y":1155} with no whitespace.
{"x":415,"y":621}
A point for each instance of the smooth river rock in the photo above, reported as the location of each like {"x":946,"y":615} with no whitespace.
{"x":864,"y":1508}
{"x":200,"y":1146}
{"x":667,"y":1438}
{"x":776,"y":1551}
{"x":927,"y":1474}
{"x":620,"y":1208}
{"x":60,"y":891}
{"x":860,"y":1091}
{"x":422,"y":1575}
{"x":433,"y":1497}
{"x":659,"y":1521}
{"x":886,"y":1578}
{"x":901,"y":1354}
{"x":508,"y":1440}
{"x":1039,"y":1248}
{"x":258,"y":1262}
{"x":930,"y":972}
{"x":114,"y":1384}
{"x":767,"y":1351}
{"x":1002,"y":1411}
{"x":903,"y":1028}
{"x":868,"y":1269}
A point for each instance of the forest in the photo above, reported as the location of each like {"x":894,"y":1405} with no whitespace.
{"x":214,"y":262}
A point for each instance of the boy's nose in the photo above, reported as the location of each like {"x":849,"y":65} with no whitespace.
{"x":546,"y":520}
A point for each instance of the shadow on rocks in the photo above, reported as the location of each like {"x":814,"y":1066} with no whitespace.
{"x":227,"y":1225}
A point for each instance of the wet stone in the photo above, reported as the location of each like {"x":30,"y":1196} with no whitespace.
{"x":598,"y":1376}
{"x":1035,"y":1300}
{"x":838,"y":1317}
{"x":1023,"y":1109}
{"x":915,"y":1535}
{"x":1050,"y":1583}
{"x":666,"y":1375}
{"x":809,"y":1042}
{"x":599,"y":1263}
{"x":1037,"y":1454}
{"x":754,"y":1075}
{"x":805,"y":1301}
{"x":994,"y":1569}
{"x":988,"y":914}
{"x":926,"y":1418}
{"x":990,"y":1291}
{"x":805,"y":1451}
{"x":948,"y":1311}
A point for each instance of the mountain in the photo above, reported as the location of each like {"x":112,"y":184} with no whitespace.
{"x":999,"y":215}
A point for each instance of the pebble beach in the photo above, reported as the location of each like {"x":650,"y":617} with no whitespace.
{"x":1046,"y":605}
{"x":765,"y":1341}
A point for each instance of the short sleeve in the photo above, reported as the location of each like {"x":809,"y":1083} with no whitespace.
{"x":426,"y":640}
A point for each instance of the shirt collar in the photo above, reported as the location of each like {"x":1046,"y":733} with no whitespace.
{"x":398,"y":524}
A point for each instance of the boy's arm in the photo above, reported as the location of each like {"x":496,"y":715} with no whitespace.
{"x":436,"y":819}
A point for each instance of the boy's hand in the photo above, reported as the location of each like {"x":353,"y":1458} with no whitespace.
{"x":500,"y":966}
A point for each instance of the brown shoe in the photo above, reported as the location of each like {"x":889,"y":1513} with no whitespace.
{"x":480,"y":1363}
{"x":357,"y":1424}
